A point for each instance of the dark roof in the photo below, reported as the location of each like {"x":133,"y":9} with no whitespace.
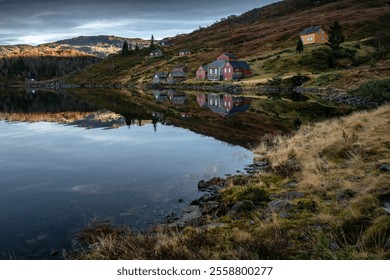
{"x":310,"y":30}
{"x":217,"y":64}
{"x":230,"y":55}
{"x":205,"y":67}
{"x":238,"y":109}
{"x":161,"y":74}
{"x":178,"y":74}
{"x":240,"y":64}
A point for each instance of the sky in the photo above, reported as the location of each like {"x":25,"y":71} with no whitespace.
{"x":35,"y":22}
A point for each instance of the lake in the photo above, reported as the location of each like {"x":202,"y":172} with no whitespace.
{"x":64,"y":163}
{"x":132,"y":158}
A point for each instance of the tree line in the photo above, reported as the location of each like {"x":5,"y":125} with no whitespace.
{"x":42,"y":68}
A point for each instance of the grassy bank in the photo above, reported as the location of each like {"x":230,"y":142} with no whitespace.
{"x":323,"y":198}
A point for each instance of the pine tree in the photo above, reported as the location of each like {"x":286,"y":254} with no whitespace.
{"x":336,"y":36}
{"x":299,"y":48}
{"x":152,"y":46}
{"x":125,"y":49}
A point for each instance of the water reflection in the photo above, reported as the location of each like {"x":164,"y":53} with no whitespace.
{"x":225,"y":105}
{"x":172,"y":96}
{"x":56,"y":175}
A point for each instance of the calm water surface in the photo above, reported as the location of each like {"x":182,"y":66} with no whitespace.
{"x":56,"y":178}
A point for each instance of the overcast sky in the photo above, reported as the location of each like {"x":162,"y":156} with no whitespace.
{"x":39,"y":21}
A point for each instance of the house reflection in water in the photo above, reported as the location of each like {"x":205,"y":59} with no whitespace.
{"x":225,"y":105}
{"x":160,"y":96}
{"x":175,"y":97}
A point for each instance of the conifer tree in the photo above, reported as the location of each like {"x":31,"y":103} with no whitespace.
{"x":299,"y":48}
{"x":152,"y":46}
{"x":336,"y":36}
{"x":125,"y":49}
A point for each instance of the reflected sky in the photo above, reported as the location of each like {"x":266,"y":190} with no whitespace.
{"x":55,"y":178}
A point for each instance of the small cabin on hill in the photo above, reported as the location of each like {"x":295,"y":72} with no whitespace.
{"x":184,"y":52}
{"x":176,"y":76}
{"x":314,"y":35}
{"x":156,"y":53}
{"x":160,"y":77}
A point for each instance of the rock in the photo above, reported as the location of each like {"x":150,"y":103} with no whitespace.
{"x":202,"y":186}
{"x":210,"y":206}
{"x":291,"y":195}
{"x":171,"y":218}
{"x":242,"y":207}
{"x":291,"y":185}
{"x":180,"y":200}
{"x":190,"y":216}
{"x":385,"y":168}
{"x":279,"y":206}
{"x":215,"y":182}
{"x":260,"y":163}
{"x":257,"y":166}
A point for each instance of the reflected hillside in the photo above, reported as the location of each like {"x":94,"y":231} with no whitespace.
{"x":237,"y":120}
{"x":63,"y":108}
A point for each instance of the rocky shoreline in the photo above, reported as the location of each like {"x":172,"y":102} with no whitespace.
{"x":203,"y":212}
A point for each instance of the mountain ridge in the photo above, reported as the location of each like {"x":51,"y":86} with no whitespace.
{"x":100,"y":46}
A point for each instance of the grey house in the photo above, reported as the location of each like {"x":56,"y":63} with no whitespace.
{"x":215,"y":70}
{"x":160,"y":77}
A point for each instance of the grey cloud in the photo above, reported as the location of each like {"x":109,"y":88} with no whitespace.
{"x":26,"y":18}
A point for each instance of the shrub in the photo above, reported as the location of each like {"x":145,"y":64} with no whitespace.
{"x":377,"y":90}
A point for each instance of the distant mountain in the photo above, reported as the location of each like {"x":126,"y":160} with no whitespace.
{"x":56,"y":59}
{"x":100,"y":46}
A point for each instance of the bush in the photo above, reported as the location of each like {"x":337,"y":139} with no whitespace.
{"x":377,"y":90}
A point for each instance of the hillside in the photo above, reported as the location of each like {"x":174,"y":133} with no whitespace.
{"x":261,"y":37}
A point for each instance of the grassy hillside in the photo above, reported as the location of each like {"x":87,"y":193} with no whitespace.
{"x":266,"y":37}
{"x":330,"y":183}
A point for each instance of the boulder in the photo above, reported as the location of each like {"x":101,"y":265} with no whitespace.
{"x":190,"y":216}
{"x":280,"y":206}
{"x":242,"y":207}
{"x":385,"y":168}
{"x":292,"y":195}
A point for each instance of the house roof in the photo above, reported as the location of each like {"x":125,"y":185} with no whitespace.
{"x":230,"y":55}
{"x":310,"y":30}
{"x":178,"y":74}
{"x":217,"y":64}
{"x":240,"y":64}
{"x":161,"y":74}
{"x":204,"y":67}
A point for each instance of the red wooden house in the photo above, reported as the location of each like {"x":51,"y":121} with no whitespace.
{"x":235,"y":70}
